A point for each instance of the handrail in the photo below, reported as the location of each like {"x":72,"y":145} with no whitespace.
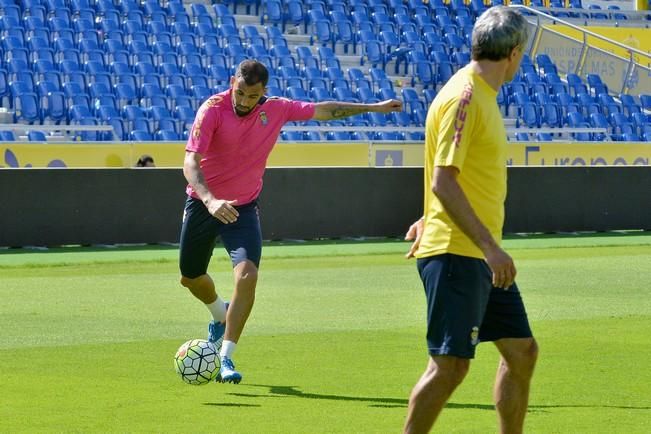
{"x":538,"y":13}
{"x":52,"y":127}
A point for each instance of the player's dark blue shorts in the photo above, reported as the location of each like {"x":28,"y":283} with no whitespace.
{"x":463,"y":307}
{"x":200,"y":231}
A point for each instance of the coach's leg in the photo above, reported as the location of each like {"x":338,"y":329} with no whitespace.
{"x":246,"y":277}
{"x":511,"y":392}
{"x":432,"y":391}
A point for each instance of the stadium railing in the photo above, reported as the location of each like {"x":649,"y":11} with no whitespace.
{"x":631,"y":75}
{"x":68,"y":130}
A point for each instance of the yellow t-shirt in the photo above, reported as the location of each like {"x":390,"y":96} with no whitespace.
{"x":465,"y":129}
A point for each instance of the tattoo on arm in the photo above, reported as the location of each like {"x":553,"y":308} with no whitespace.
{"x":344,"y":112}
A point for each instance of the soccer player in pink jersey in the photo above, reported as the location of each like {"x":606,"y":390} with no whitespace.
{"x":226,"y":155}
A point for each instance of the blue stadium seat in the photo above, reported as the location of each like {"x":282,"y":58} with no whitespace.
{"x":366,"y":95}
{"x":141,"y":136}
{"x":297,"y":93}
{"x":319,"y":94}
{"x":292,"y":136}
{"x":595,"y":85}
{"x":522,"y":137}
{"x":167,"y":135}
{"x":125,"y":94}
{"x":401,"y":119}
{"x":411,"y":99}
{"x":344,"y":94}
{"x":629,"y":105}
{"x":7,"y":136}
{"x":429,"y":94}
{"x":36,"y":136}
{"x":185,"y":117}
{"x":566,"y":104}
{"x":588,"y":104}
{"x":273,"y":14}
{"x":372,"y":54}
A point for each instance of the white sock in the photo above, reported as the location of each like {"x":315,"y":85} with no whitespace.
{"x":228,"y":348}
{"x":218,"y":310}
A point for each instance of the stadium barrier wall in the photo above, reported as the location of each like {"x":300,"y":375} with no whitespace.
{"x":48,"y":207}
{"x":319,"y":154}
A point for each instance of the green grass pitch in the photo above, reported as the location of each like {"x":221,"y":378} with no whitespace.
{"x":334,"y":344}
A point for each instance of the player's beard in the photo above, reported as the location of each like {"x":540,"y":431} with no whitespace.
{"x":241,"y":112}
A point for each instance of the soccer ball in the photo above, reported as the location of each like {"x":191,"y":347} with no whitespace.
{"x":197,"y":362}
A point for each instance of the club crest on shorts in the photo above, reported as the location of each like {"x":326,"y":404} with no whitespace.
{"x":263,"y":118}
{"x":474,"y":336}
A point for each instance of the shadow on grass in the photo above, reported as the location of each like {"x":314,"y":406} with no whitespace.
{"x":293,"y":391}
{"x":230,"y":404}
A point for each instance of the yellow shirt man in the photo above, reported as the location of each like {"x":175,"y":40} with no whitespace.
{"x":465,"y":129}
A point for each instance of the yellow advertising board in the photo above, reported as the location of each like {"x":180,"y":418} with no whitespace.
{"x":321,"y":154}
{"x":633,"y":37}
{"x":534,"y":154}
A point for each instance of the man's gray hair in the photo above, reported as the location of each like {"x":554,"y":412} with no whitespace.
{"x":497,"y":32}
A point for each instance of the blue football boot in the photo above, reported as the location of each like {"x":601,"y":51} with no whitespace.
{"x":227,"y":372}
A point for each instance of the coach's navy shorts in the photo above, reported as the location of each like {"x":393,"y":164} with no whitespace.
{"x":463,"y":307}
{"x":200,"y":231}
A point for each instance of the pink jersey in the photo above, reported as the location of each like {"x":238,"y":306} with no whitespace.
{"x":235,"y":148}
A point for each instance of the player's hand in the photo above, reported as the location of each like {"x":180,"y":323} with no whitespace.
{"x":415,"y":233}
{"x":389,"y":105}
{"x":223,"y":210}
{"x":502,"y":266}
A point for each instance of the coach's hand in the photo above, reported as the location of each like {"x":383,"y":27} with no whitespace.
{"x":415,"y":233}
{"x":502,"y":266}
{"x":223,"y":210}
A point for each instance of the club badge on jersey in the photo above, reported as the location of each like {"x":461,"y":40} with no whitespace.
{"x":263,"y":118}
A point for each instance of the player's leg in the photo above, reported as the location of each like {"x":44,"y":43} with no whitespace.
{"x":245,"y":275}
{"x":511,"y":392}
{"x":243,"y":241}
{"x":507,"y":325}
{"x":456,"y":298}
{"x":432,"y":391}
{"x":198,"y":236}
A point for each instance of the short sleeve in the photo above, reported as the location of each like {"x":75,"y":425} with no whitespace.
{"x":299,"y":110}
{"x":455,"y":130}
{"x":203,"y":127}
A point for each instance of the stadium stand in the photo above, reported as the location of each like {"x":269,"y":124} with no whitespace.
{"x":144,"y":68}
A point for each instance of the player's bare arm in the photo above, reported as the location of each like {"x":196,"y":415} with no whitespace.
{"x":446,"y":187}
{"x":221,"y":209}
{"x":329,"y":110}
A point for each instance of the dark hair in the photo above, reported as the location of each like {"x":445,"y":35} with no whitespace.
{"x":497,"y":32}
{"x":253,"y":72}
{"x":143,"y":160}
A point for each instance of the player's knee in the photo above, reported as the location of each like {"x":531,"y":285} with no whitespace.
{"x":523,"y":360}
{"x":452,"y":369}
{"x":246,"y":271}
{"x":531,"y":352}
{"x":189,"y":282}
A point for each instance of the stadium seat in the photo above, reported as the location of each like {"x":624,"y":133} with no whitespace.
{"x":54,"y":107}
{"x":595,"y":85}
{"x":141,"y":136}
{"x":36,"y":136}
{"x":7,"y":136}
{"x":319,"y":94}
{"x":26,"y":108}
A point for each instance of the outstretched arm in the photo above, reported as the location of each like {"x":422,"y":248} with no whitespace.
{"x":329,"y":110}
